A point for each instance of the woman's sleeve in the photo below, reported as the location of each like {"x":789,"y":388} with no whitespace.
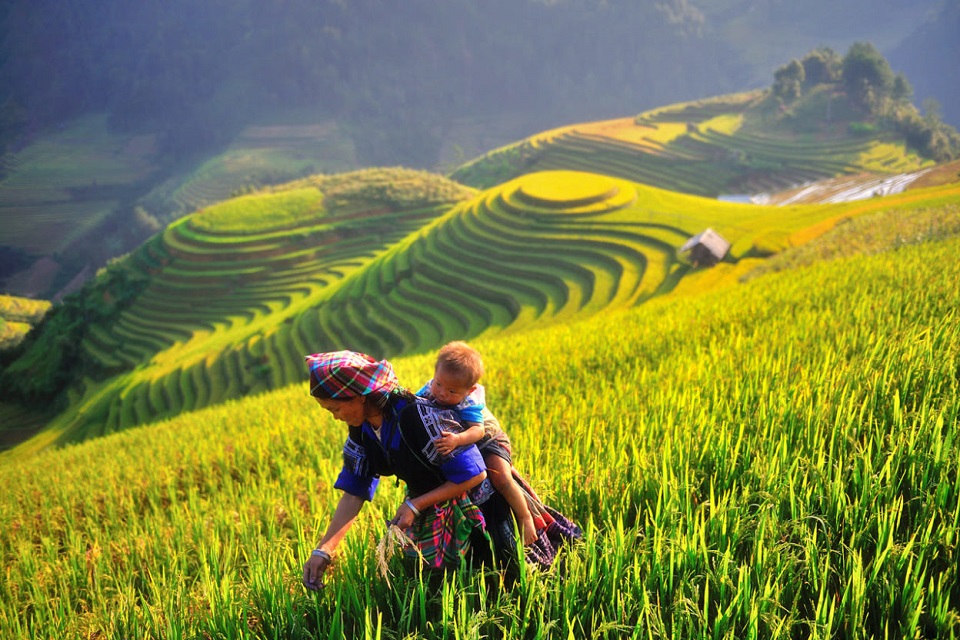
{"x":463,"y":464}
{"x":355,"y":477}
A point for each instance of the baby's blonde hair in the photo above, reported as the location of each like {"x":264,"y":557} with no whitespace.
{"x":462,"y":361}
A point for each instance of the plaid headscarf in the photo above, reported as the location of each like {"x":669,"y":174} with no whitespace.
{"x":348,"y":374}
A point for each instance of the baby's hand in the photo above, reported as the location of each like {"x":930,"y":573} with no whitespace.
{"x":446,"y":442}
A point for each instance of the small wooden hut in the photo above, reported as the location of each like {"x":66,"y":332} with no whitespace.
{"x":706,"y":249}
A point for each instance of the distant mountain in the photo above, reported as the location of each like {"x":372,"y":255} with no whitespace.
{"x":930,"y":57}
{"x":769,"y":33}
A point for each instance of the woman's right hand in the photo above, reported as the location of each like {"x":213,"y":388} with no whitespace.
{"x":313,"y":570}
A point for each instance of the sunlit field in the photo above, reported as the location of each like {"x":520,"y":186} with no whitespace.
{"x":17,"y":317}
{"x":777,"y":459}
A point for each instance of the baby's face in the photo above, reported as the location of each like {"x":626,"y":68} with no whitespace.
{"x":448,"y":390}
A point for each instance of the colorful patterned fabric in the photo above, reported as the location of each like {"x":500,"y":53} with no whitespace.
{"x":348,"y":374}
{"x":441,"y":535}
{"x":553,"y":528}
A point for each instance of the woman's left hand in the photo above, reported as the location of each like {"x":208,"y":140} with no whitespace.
{"x":313,"y":570}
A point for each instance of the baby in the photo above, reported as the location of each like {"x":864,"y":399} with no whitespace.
{"x":455,"y":385}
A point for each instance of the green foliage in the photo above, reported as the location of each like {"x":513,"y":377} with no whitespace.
{"x":821,"y":66}
{"x":51,"y":358}
{"x":396,"y":187}
{"x":866,"y":76}
{"x":872,"y":99}
{"x":23,"y":309}
{"x":930,"y":135}
{"x":901,"y":91}
{"x":756,"y":461}
{"x":862,"y":128}
{"x":788,"y":80}
{"x":17,"y":317}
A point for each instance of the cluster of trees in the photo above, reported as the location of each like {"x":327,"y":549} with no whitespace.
{"x":395,"y":73}
{"x":874,"y":91}
{"x":51,"y":358}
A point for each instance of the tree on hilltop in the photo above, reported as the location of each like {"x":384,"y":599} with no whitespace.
{"x":821,"y":66}
{"x":862,"y":89}
{"x":788,"y":81}
{"x":866,"y":76}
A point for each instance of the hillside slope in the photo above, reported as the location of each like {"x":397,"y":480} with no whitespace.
{"x":226,"y":302}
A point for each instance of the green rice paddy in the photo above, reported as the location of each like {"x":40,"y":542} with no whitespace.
{"x":770,"y":460}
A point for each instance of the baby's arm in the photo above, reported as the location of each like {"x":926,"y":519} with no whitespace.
{"x":448,"y":440}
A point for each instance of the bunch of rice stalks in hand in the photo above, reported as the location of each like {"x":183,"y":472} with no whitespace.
{"x":392,"y":541}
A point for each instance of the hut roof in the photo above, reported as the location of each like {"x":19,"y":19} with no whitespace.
{"x":710,"y":240}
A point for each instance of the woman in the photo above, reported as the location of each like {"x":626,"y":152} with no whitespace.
{"x":392,"y":432}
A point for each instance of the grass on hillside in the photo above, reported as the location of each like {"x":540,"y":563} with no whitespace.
{"x":772,"y":460}
{"x":886,"y":230}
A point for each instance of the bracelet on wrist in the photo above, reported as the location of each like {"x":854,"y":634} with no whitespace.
{"x":410,"y":505}
{"x":321,"y":553}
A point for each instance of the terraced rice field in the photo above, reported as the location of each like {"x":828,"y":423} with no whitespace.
{"x":216,"y":293}
{"x":548,"y":246}
{"x":67,"y":182}
{"x":260,"y":155}
{"x":228,"y":313}
{"x":704,"y":148}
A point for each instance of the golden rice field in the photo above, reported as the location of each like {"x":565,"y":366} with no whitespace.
{"x":777,"y":459}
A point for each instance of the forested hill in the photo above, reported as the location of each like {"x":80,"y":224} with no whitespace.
{"x":200,"y":70}
{"x":929,"y":57}
{"x":398,"y":73}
